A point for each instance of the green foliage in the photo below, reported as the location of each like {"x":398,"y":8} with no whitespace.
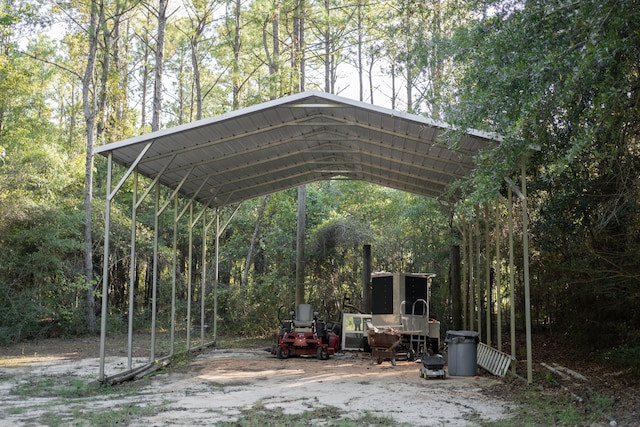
{"x":18,"y":314}
{"x":557,"y":75}
{"x":562,"y":77}
{"x":40,"y":266}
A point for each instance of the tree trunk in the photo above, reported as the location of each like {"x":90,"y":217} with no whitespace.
{"x":327,"y":47}
{"x":302,"y":47}
{"x":273,"y":57}
{"x":276,"y":91}
{"x":360,"y":64}
{"x":101,"y":111}
{"x":236,"y":56}
{"x":123,"y":104}
{"x":393,"y":83}
{"x":252,"y":244}
{"x":407,"y":59}
{"x":295,"y":50}
{"x":157,"y":87}
{"x":371,"y":64}
{"x":196,"y":77}
{"x":297,"y":56}
{"x":145,"y":73}
{"x":89,"y":117}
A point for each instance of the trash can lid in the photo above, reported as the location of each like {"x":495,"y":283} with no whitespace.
{"x":460,"y":337}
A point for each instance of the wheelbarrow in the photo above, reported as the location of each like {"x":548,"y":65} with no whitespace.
{"x":383,"y":344}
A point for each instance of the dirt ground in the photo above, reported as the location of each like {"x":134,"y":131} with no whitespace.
{"x":218,"y":384}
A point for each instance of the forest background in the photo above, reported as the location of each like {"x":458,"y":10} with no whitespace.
{"x":558,"y":79}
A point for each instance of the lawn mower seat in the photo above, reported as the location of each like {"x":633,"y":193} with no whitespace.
{"x":304,"y":316}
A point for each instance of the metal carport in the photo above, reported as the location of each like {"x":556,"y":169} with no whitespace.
{"x":282,"y":144}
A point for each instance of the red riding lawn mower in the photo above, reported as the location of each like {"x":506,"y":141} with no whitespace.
{"x":305,"y":335}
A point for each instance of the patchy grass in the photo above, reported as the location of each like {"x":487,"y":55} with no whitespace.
{"x":70,"y":402}
{"x":330,"y":416}
{"x":118,"y":416}
{"x":545,"y":403}
{"x":70,"y":387}
{"x":57,"y":386}
{"x":244,"y":342}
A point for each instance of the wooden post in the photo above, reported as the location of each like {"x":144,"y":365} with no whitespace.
{"x":472,"y":293}
{"x":454,"y":281}
{"x":302,"y":205}
{"x":478,"y":287}
{"x":366,"y":279}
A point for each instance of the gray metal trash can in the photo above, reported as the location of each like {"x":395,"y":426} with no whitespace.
{"x":462,"y":352}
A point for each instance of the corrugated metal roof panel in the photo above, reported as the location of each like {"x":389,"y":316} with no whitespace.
{"x":296,"y":140}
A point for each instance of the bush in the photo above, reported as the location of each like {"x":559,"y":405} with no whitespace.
{"x":625,"y":357}
{"x":19,"y":315}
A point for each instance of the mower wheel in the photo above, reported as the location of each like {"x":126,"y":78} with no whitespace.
{"x":282,"y":353}
{"x":322,"y":354}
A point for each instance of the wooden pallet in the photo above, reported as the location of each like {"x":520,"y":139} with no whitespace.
{"x":493,"y":360}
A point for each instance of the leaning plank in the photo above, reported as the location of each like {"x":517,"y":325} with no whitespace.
{"x":151,"y":369}
{"x":573,"y":373}
{"x":493,"y":360}
{"x":136,"y":373}
{"x":565,"y":388}
{"x":556,"y":371}
{"x":127,"y":375}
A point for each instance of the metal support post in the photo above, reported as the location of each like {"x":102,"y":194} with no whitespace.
{"x":512,"y":298}
{"x":203,"y":275}
{"x":216,"y":277}
{"x":105,"y":268}
{"x":174,"y":274}
{"x":525,"y":248}
{"x":154,"y":289}
{"x":189,"y":276}
{"x":497,"y":276}
{"x":487,"y":271}
{"x":132,"y":269}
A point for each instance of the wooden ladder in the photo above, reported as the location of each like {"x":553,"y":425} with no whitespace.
{"x":493,"y":360}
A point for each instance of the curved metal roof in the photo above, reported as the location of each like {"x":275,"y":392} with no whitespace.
{"x":300,"y":139}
